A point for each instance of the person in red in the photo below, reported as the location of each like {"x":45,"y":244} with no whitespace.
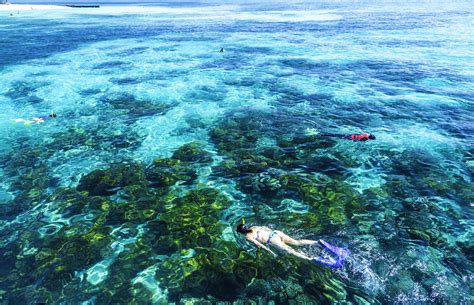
{"x":353,"y":137}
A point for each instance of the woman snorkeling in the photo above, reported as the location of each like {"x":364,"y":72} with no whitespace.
{"x":263,"y":237}
{"x":37,"y":120}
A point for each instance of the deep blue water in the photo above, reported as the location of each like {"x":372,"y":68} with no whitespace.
{"x":133,"y":84}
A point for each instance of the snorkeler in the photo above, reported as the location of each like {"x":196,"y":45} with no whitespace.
{"x":353,"y":137}
{"x":37,"y":120}
{"x":263,"y":237}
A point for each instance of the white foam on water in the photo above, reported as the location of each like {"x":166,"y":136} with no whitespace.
{"x":219,"y":13}
{"x":121,"y":10}
{"x":148,"y":280}
{"x":285,"y":16}
{"x":418,"y":136}
{"x":99,"y":272}
{"x":362,"y":179}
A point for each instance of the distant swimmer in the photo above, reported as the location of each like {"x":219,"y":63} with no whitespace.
{"x":263,"y":237}
{"x":221,"y":50}
{"x":37,"y":120}
{"x":354,"y":137}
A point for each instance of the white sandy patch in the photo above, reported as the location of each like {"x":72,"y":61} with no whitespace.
{"x":28,"y":7}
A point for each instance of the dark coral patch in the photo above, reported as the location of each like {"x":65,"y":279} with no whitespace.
{"x":134,"y":107}
{"x":109,"y":181}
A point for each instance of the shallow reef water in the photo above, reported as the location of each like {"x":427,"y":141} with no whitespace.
{"x":162,"y":144}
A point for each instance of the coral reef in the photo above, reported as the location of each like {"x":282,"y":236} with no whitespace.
{"x":109,"y":181}
{"x":167,"y":172}
{"x":192,"y":152}
{"x":132,"y":232}
{"x":133,"y":107}
{"x":94,"y":138}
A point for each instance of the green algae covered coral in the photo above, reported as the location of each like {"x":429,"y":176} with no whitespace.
{"x":191,"y":226}
{"x":254,"y":143}
{"x":107,"y":182}
{"x":135,"y":107}
{"x":193,"y":152}
{"x":165,"y":172}
{"x":180,"y":168}
{"x":179,"y":235}
{"x":336,"y":200}
{"x":201,"y":263}
{"x":194,"y":219}
{"x":26,"y":174}
{"x":55,"y":259}
{"x":95,"y":138}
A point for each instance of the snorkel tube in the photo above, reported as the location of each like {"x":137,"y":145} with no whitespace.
{"x":242,"y":227}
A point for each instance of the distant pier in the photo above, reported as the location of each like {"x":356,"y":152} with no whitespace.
{"x":82,"y":6}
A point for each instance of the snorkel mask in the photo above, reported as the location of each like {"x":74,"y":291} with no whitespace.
{"x":242,"y":228}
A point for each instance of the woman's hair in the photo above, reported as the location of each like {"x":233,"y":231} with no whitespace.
{"x":242,"y":228}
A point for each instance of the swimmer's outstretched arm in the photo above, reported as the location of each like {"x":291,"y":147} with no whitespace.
{"x":260,"y":245}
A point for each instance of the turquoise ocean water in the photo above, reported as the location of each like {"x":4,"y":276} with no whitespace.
{"x":162,"y":144}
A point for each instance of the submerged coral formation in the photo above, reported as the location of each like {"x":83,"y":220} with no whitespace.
{"x":162,"y":145}
{"x":130,"y":232}
{"x":107,"y":182}
{"x":134,"y":107}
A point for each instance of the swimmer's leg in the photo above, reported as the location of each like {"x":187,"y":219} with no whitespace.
{"x":302,"y":242}
{"x":283,"y":247}
{"x":339,"y":263}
